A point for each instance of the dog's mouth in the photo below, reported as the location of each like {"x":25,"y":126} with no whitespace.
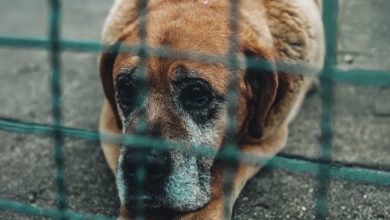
{"x":148,"y":202}
{"x":150,"y":207}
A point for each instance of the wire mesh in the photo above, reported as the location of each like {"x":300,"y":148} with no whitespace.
{"x":323,"y":167}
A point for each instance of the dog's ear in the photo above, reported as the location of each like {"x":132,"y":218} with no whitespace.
{"x":262,"y":87}
{"x":106,"y":66}
{"x":269,"y":92}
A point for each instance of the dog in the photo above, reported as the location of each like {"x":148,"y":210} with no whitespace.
{"x":186,"y":100}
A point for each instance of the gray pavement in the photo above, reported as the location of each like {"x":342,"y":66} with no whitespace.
{"x":361,"y":121}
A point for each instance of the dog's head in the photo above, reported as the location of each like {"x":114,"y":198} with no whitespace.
{"x":185,"y":101}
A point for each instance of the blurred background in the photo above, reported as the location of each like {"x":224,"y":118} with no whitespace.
{"x":361,"y":120}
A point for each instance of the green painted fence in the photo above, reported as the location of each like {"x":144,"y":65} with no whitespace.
{"x":322,"y":167}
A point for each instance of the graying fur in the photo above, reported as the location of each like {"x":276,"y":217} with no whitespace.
{"x":188,"y":186}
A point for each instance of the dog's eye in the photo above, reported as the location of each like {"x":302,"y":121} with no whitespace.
{"x":196,"y":96}
{"x":126,"y":92}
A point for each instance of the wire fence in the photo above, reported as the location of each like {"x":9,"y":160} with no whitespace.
{"x":324,"y":168}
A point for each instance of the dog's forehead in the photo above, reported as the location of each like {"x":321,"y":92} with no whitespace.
{"x":204,"y":30}
{"x":185,"y":30}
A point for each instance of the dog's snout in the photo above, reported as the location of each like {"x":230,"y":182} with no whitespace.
{"x":156,"y":165}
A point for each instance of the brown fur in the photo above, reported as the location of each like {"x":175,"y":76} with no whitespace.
{"x":268,"y":29}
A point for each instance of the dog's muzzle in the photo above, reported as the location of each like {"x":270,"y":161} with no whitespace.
{"x":173,"y":180}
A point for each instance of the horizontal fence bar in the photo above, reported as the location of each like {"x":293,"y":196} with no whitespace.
{"x":362,"y":77}
{"x":357,"y":174}
{"x":25,"y":209}
{"x":160,"y":52}
{"x":24,"y":42}
{"x":338,"y":163}
{"x":354,"y":174}
{"x":352,"y":76}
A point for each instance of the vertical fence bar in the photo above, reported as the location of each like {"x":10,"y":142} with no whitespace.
{"x":229,"y":152}
{"x":55,"y":63}
{"x":330,"y":17}
{"x":141,"y":124}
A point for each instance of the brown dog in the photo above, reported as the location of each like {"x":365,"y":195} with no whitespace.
{"x":186,"y":100}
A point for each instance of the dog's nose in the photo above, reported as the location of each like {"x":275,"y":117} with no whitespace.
{"x":156,"y":166}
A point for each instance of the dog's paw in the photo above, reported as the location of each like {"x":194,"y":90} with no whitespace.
{"x":122,"y":218}
{"x":212,"y":211}
{"x":123,"y":214}
{"x":204,"y":215}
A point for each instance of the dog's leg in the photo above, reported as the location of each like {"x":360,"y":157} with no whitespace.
{"x":108,"y":125}
{"x":215,"y":209}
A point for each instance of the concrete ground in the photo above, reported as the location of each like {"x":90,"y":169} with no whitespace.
{"x":361,"y":121}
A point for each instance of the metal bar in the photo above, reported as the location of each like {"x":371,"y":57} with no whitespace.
{"x":141,"y":127}
{"x":362,"y":77}
{"x":339,"y":163}
{"x":330,"y":17}
{"x":337,"y":172}
{"x":358,"y":174}
{"x":157,"y":52}
{"x":352,"y":76}
{"x":55,"y":63}
{"x":25,"y":209}
{"x":228,"y":152}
